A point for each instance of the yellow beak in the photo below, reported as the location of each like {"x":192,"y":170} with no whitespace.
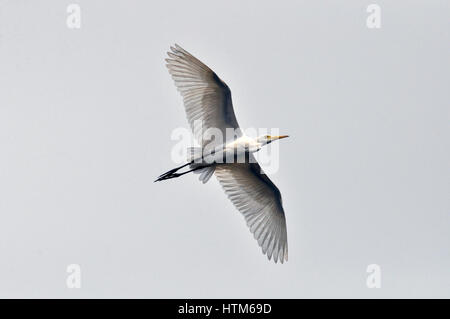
{"x":278,"y":137}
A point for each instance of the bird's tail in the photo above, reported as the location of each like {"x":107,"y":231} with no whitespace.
{"x":196,"y":165}
{"x":205,"y":171}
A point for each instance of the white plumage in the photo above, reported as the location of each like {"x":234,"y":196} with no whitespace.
{"x":208,"y":99}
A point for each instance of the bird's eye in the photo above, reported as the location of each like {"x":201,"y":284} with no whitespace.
{"x":267,"y":136}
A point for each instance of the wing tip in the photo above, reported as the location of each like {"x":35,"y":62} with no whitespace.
{"x":177,"y":49}
{"x":281,"y":260}
{"x":278,"y":256}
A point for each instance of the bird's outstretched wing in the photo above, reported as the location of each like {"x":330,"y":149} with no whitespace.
{"x":206,"y":97}
{"x":259,"y":200}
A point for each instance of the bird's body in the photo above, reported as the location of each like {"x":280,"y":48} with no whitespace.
{"x":237,"y":148}
{"x":244,"y":143}
{"x":207,"y":99}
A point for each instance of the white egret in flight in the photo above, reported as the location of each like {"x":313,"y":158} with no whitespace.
{"x":208,"y":99}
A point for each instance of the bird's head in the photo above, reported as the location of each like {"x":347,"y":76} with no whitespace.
{"x":267,"y":139}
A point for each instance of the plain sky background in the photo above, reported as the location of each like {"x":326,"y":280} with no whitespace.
{"x":86,"y":117}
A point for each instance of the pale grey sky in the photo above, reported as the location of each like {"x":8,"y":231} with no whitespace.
{"x":85,"y":122}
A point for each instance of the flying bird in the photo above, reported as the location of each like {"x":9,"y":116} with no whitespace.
{"x":208,"y":99}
